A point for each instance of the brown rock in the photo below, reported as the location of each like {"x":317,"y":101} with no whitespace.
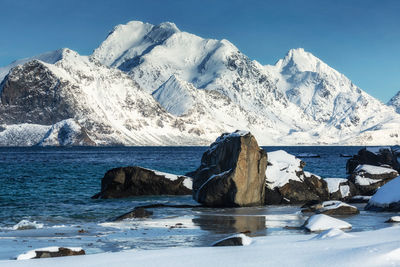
{"x":136,"y":181}
{"x":232,"y":172}
{"x":62,"y":252}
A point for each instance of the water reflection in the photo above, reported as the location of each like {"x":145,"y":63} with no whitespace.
{"x":232,"y":221}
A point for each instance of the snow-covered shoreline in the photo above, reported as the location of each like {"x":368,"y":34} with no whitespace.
{"x":369,"y":248}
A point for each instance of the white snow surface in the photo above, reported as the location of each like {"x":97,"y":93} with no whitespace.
{"x":32,"y":253}
{"x":388,"y":193}
{"x":332,"y":233}
{"x":334,"y":183}
{"x":282,"y":168}
{"x":321,"y":222}
{"x":245,"y":239}
{"x":206,"y":87}
{"x":373,"y":169}
{"x":369,"y":248}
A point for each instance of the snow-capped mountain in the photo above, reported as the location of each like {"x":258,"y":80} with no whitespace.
{"x":157,"y":85}
{"x":395,"y":102}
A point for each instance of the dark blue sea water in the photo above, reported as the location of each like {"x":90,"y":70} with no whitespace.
{"x":52,"y":187}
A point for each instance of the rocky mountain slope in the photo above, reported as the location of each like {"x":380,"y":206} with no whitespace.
{"x":395,"y":102}
{"x":157,"y":85}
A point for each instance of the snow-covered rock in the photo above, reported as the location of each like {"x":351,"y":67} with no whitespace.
{"x":387,"y":198}
{"x":338,"y":188}
{"x":286,"y":182}
{"x":321,"y":222}
{"x":393,"y":219}
{"x":125,"y":182}
{"x":49,"y":252}
{"x":233,"y":240}
{"x":337,"y":208}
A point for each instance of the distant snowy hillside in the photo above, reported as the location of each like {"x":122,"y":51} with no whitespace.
{"x":157,"y":85}
{"x":395,"y":102}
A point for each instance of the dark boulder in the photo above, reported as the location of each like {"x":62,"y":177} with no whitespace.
{"x":235,"y":240}
{"x":61,"y":252}
{"x":136,"y":181}
{"x":136,"y":213}
{"x":232,"y":172}
{"x":376,"y":157}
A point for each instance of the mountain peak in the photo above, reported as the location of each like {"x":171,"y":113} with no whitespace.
{"x":300,"y":60}
{"x":395,"y":102}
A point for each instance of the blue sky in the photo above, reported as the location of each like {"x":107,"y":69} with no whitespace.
{"x":361,"y":38}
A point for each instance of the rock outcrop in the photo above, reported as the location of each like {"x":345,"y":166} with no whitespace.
{"x":235,"y":240}
{"x":136,"y":181}
{"x":380,"y":156}
{"x":332,"y":208}
{"x":368,"y":178}
{"x":287,"y":182}
{"x":232,"y":172}
{"x":51,"y":252}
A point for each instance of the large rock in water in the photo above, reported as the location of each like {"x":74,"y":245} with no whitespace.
{"x":232,"y":172}
{"x":375,"y":156}
{"x":368,"y":178}
{"x":136,"y":181}
{"x":287,"y":182}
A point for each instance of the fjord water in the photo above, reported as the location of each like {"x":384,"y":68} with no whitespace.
{"x":53,"y":186}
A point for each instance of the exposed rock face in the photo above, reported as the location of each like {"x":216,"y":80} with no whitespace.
{"x":337,"y":208}
{"x":341,"y":188}
{"x":62,"y":252}
{"x":367,"y":178}
{"x":136,"y":213}
{"x":136,"y":181}
{"x":287,"y":182}
{"x":374,"y":156}
{"x":232,"y":172}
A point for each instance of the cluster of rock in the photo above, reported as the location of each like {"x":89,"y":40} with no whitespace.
{"x":235,"y":171}
{"x":287,"y":182}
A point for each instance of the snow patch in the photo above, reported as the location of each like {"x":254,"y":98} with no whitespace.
{"x":387,"y":194}
{"x":321,"y":222}
{"x":282,"y":167}
{"x":334,"y":184}
{"x":246,"y":241}
{"x":32,"y":253}
{"x":373,"y":169}
{"x":332,"y":233}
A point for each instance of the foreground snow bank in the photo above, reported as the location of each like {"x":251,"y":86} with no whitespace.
{"x":370,"y":248}
{"x":387,"y":197}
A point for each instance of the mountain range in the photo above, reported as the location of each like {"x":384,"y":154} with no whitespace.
{"x":156,"y":85}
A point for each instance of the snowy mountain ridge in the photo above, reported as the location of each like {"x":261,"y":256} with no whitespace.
{"x":395,"y":102}
{"x":156,"y":85}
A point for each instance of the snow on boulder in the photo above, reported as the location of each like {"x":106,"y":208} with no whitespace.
{"x":321,"y":222}
{"x":339,"y":188}
{"x":233,"y":240}
{"x":376,"y":156}
{"x":232,"y":172}
{"x":332,"y":233}
{"x":387,"y":198}
{"x":368,"y":178}
{"x":337,"y":208}
{"x":126,"y":182}
{"x":288,"y":183}
{"x":51,"y":252}
{"x":393,"y":219}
